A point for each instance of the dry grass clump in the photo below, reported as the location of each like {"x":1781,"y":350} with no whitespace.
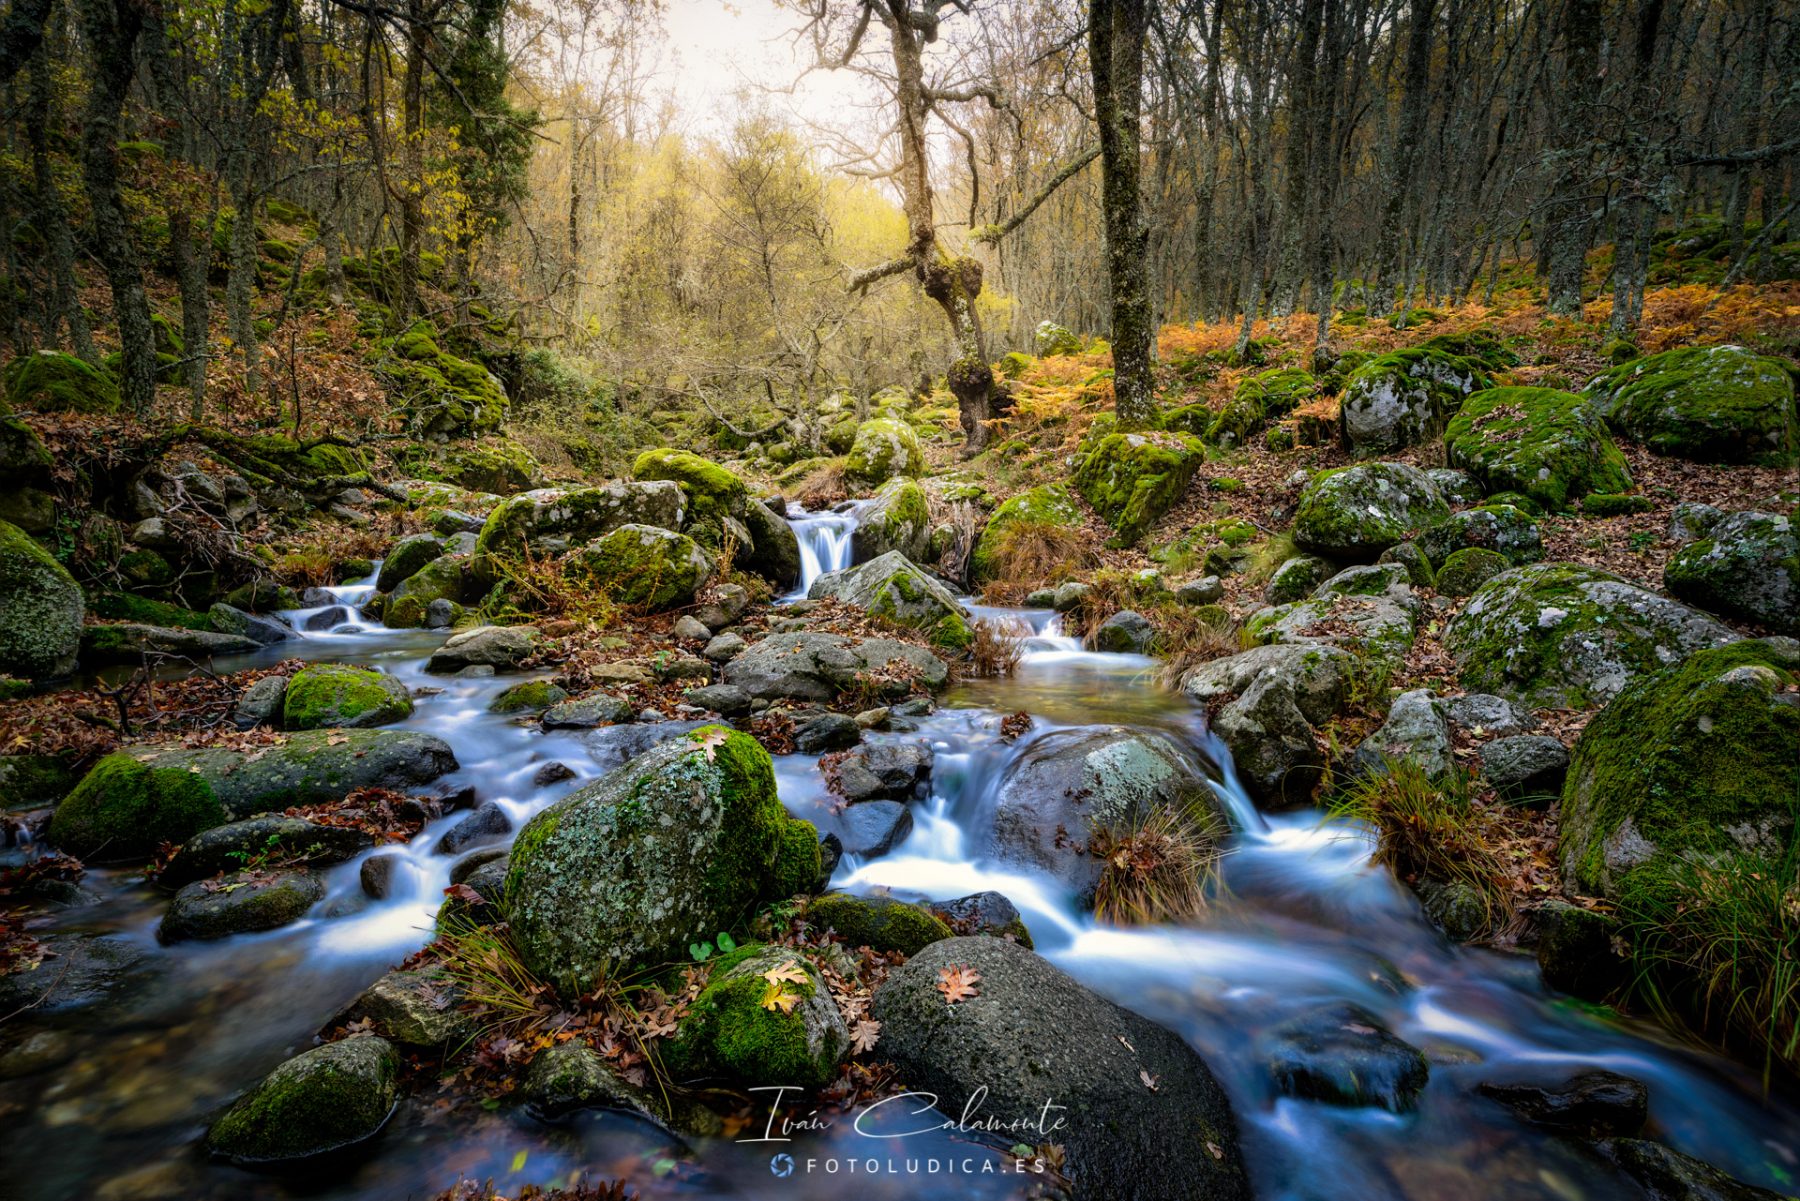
{"x":1036,"y":554}
{"x":1187,"y":637}
{"x":1161,"y":869}
{"x":996,"y":650}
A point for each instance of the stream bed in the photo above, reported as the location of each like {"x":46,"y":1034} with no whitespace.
{"x":109,"y":1100}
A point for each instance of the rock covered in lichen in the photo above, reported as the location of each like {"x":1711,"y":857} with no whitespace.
{"x":1700,"y":759}
{"x":1370,"y":609}
{"x":1259,"y":399}
{"x":1563,"y":635}
{"x":878,"y":922}
{"x":775,"y":551}
{"x":553,"y":520}
{"x":1507,"y":531}
{"x":321,"y":1100}
{"x":1747,"y":566}
{"x":440,"y":395}
{"x":1551,"y":446}
{"x":818,"y":667}
{"x":731,"y":1030}
{"x":716,"y":497}
{"x":1357,"y":512}
{"x":668,"y":849}
{"x":1132,"y":479}
{"x":41,"y":609}
{"x":884,"y":448}
{"x":643,"y":566}
{"x":309,"y":767}
{"x":896,"y":518}
{"x":1267,"y":704}
{"x":1404,"y":398}
{"x":893,"y":587}
{"x":406,"y":557}
{"x":337,"y":694}
{"x":1711,"y":404}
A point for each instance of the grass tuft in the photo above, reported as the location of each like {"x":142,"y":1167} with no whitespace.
{"x":1161,"y":870}
{"x":996,"y":650}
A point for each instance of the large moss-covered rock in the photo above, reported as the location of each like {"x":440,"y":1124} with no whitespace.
{"x":1502,"y":529}
{"x":495,"y":465}
{"x":130,"y":642}
{"x":336,"y":694}
{"x":33,"y":781}
{"x":321,"y":1100}
{"x":40,"y":609}
{"x":124,"y":809}
{"x":1045,"y":505}
{"x":1260,"y":399}
{"x":1267,"y":704}
{"x":440,"y":395}
{"x":775,"y":551}
{"x":896,"y":518}
{"x":1404,"y":399}
{"x":405,"y":557}
{"x":1557,"y":635}
{"x":1701,"y":759}
{"x":420,"y":1008}
{"x":818,"y":667}
{"x":731,"y":1030}
{"x":1747,"y":566}
{"x":1370,"y":610}
{"x":1711,"y":404}
{"x":1133,"y":479}
{"x":644,"y":566}
{"x":878,"y":922}
{"x":1032,"y":1033}
{"x":893,"y":587}
{"x":1548,"y":445}
{"x":52,"y":382}
{"x":884,"y":448}
{"x":670,"y":848}
{"x":240,"y":903}
{"x":553,"y":520}
{"x":1355,"y":513}
{"x":449,"y":578}
{"x":716,"y":497}
{"x":1467,"y":569}
{"x":312,"y":767}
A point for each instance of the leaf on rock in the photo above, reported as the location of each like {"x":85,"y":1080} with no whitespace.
{"x":958,"y":983}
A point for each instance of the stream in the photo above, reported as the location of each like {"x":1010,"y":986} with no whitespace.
{"x":124,"y":1088}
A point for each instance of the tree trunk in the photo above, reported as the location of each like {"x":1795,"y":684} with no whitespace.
{"x":1571,"y":208}
{"x":65,"y":304}
{"x":190,"y":274}
{"x":412,"y":217}
{"x":1116,"y":32}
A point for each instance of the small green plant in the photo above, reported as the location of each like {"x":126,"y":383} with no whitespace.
{"x":702,"y":951}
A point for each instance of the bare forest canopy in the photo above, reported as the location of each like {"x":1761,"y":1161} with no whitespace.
{"x":231,"y":169}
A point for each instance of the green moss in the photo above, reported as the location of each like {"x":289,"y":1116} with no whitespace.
{"x":1133,"y":479}
{"x":1468,"y":569}
{"x":146,"y":569}
{"x":1261,"y":398}
{"x":1710,"y":404}
{"x":320,"y":1100}
{"x":1050,"y":504}
{"x":880,"y":923}
{"x":124,"y":606}
{"x":1481,"y":346}
{"x":729,"y":1029}
{"x":1404,"y":398}
{"x":1517,"y":500}
{"x":1357,"y":512}
{"x":52,"y":382}
{"x":123,"y":810}
{"x":493,"y":465}
{"x":32,"y":781}
{"x":798,"y":865}
{"x":404,"y":613}
{"x":884,"y":448}
{"x":528,"y":696}
{"x":640,"y":565}
{"x":439,"y":394}
{"x":712,"y":492}
{"x":1551,"y":446}
{"x":1615,"y":504}
{"x":40,"y":609}
{"x":336,"y":694}
{"x":1505,"y":529}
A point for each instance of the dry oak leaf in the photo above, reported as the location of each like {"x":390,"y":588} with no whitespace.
{"x":711,"y":741}
{"x":958,"y":983}
{"x":788,"y":971}
{"x":777,"y":997}
{"x":864,"y":1035}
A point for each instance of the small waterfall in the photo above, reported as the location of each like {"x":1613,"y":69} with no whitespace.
{"x":342,"y":615}
{"x":824,"y":543}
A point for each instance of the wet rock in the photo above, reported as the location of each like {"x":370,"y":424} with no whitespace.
{"x":874,"y":828}
{"x":124,"y":809}
{"x":528,"y":697}
{"x":37,"y":1052}
{"x":730,"y":1032}
{"x":1268,"y":701}
{"x":1588,"y":1104}
{"x":377,"y":874}
{"x":488,"y":823}
{"x":33,"y":781}
{"x":598,"y":709}
{"x":261,"y":703}
{"x":724,"y":699}
{"x":552,"y":773}
{"x":79,"y":970}
{"x":816,"y":667}
{"x":326,"y":619}
{"x":1576,"y":950}
{"x":1524,"y":766}
{"x":895,"y":588}
{"x":613,"y":745}
{"x":271,"y":838}
{"x":817,"y":733}
{"x":569,"y":1076}
{"x":1341,"y":1054}
{"x":1126,"y":633}
{"x":1484,"y":715}
{"x":1456,"y":907}
{"x":502,"y":648}
{"x":311,"y":767}
{"x":405,"y":558}
{"x":724,"y":647}
{"x":878,"y":922}
{"x":775,"y":554}
{"x":322,"y":1100}
{"x":415,"y":1009}
{"x":1415,"y":731}
{"x":895,"y":771}
{"x":441,"y":613}
{"x":1031,"y":1034}
{"x":472,"y":862}
{"x":239,"y":903}
{"x":264,"y":630}
{"x":128,"y":642}
{"x":338,"y":696}
{"x":1070,"y":595}
{"x":989,"y":913}
{"x":873,"y":719}
{"x":1667,"y":1175}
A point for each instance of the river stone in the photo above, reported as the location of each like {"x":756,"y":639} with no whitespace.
{"x":1525,"y":766}
{"x":666,"y":850}
{"x":1701,"y":760}
{"x":264,"y":630}
{"x":1577,"y":950}
{"x":415,"y":1009}
{"x":691,"y":628}
{"x":776,"y":555}
{"x":989,"y":913}
{"x":321,"y":1100}
{"x":487,"y":824}
{"x":1746,"y":566}
{"x":239,"y":903}
{"x":552,"y":520}
{"x":83,"y":969}
{"x":894,"y":587}
{"x":1484,"y":715}
{"x":1357,"y":512}
{"x":327,"y":618}
{"x":873,"y":827}
{"x":817,"y":732}
{"x":817,"y":667}
{"x":1067,"y":787}
{"x":894,"y":771}
{"x":311,"y":767}
{"x":878,"y":922}
{"x":261,"y":703}
{"x":376,"y":874}
{"x":896,"y":518}
{"x":124,"y":809}
{"x":1415,"y":731}
{"x":1032,"y":1036}
{"x":1270,"y":699}
{"x":565,"y":1077}
{"x":1667,"y":1175}
{"x":1592,"y":1103}
{"x":643,"y":566}
{"x":41,"y":609}
{"x":611,"y":746}
{"x":727,"y":700}
{"x":1404,"y":398}
{"x":727,"y":603}
{"x":280,"y":839}
{"x":529,"y":696}
{"x":586,"y":712}
{"x":502,"y":648}
{"x":33,"y":781}
{"x":331,"y":695}
{"x":1126,"y":632}
{"x":1559,"y":635}
{"x":729,"y":1031}
{"x":128,"y":642}
{"x":1207,"y":590}
{"x":1341,"y":1054}
{"x":405,"y":558}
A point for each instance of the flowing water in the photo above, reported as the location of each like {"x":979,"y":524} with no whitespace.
{"x":110,"y":1100}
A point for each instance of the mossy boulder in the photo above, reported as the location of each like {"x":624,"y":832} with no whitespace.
{"x":715,"y":496}
{"x":33,"y":781}
{"x":892,"y":586}
{"x":439,"y":395}
{"x":809,"y":666}
{"x":1133,"y":479}
{"x":644,"y":566}
{"x":1546,"y":444}
{"x":1045,"y":505}
{"x":896,"y":518}
{"x":1260,"y":399}
{"x":1481,"y":346}
{"x":530,"y":696}
{"x":421,"y":1008}
{"x":1503,"y":529}
{"x":309,"y":767}
{"x":884,"y":448}
{"x":1747,"y":566}
{"x":449,"y":577}
{"x":52,"y":382}
{"x":494,"y":465}
{"x":1560,"y":635}
{"x":287,"y":839}
{"x":239,"y":903}
{"x":877,"y":922}
{"x":1296,"y":578}
{"x":1376,"y":617}
{"x":668,"y":849}
{"x":551,"y":521}
{"x":732,"y":1031}
{"x":331,"y":695}
{"x":1050,"y":338}
{"x":1709,"y":404}
{"x":1404,"y":399}
{"x":41,"y":609}
{"x":1467,"y":569}
{"x":1702,"y":759}
{"x":1355,"y":513}
{"x":406,"y":557}
{"x":124,"y":809}
{"x":322,"y":1100}
{"x":775,"y":551}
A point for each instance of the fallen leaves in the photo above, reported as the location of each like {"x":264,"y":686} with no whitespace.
{"x":710,"y":742}
{"x":958,"y":983}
